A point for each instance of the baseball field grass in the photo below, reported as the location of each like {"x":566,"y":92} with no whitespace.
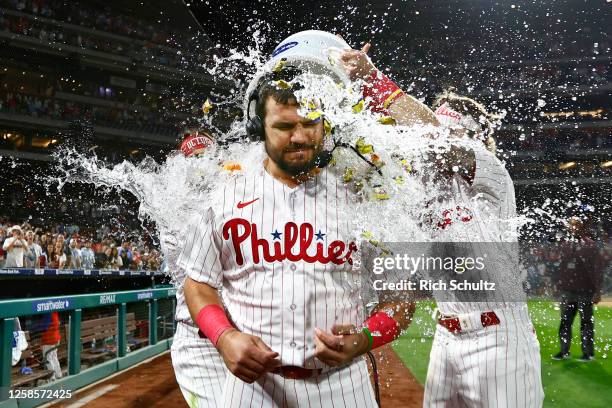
{"x":567,"y":383}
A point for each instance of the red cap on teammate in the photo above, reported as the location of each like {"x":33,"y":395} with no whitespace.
{"x":196,"y":143}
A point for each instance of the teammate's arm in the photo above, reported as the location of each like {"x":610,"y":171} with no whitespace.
{"x":401,"y":312}
{"x":405,"y":109}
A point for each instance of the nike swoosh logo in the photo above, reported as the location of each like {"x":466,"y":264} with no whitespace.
{"x":242,"y":205}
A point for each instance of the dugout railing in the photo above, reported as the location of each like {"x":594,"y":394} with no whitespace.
{"x":74,"y":306}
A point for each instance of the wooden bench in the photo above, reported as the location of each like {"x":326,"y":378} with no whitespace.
{"x":29,"y":359}
{"x":101,"y":329}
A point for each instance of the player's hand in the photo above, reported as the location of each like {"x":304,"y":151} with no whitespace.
{"x":246,"y":356}
{"x":342,"y":345}
{"x":356,"y":63}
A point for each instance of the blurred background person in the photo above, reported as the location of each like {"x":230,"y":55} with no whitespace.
{"x":579,"y":285}
{"x":49,"y":340}
{"x":125,"y":252}
{"x":58,"y":257}
{"x":33,"y":252}
{"x":102,"y":256}
{"x":75,"y":254}
{"x":15,"y":247}
{"x":114,"y":260}
{"x":3,"y":235}
{"x":88,"y":258}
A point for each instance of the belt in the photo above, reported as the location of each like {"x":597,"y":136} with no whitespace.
{"x":296,"y":372}
{"x":457,"y":324}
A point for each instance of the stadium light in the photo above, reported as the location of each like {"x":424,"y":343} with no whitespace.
{"x":606,"y":164}
{"x":568,"y":165}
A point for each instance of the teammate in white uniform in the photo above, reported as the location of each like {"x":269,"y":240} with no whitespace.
{"x":281,"y":251}
{"x":490,"y":357}
{"x":279,"y":245}
{"x":198,"y":368}
{"x":485,"y":351}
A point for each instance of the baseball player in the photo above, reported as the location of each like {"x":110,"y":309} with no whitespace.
{"x":199,"y":370}
{"x":485,"y":351}
{"x":278,"y":243}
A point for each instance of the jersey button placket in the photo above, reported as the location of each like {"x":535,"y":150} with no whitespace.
{"x":292,"y":204}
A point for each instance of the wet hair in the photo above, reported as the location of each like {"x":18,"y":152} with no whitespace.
{"x":270,"y":86}
{"x":280,"y":95}
{"x":469,"y":107}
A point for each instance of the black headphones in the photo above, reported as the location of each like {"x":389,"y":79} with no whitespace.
{"x":254,"y":125}
{"x":255,"y":129}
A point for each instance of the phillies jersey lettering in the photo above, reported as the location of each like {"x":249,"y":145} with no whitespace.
{"x":337,"y":252}
{"x":462,"y":214}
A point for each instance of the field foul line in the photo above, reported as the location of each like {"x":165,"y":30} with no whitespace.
{"x":105,"y":379}
{"x":83,"y":401}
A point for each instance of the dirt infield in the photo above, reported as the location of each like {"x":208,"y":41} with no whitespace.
{"x":398,"y":387}
{"x":152,"y":384}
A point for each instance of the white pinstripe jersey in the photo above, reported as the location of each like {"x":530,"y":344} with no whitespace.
{"x":282,"y":257}
{"x":488,"y":211}
{"x":169,"y":245}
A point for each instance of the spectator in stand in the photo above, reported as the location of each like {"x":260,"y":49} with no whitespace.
{"x":88,"y":258}
{"x":15,"y":247}
{"x":49,"y":340}
{"x":144,"y":258}
{"x":115,"y":261}
{"x":42,"y":258}
{"x":126,"y":254}
{"x":49,"y":252}
{"x":75,"y":255}
{"x":58,"y":258}
{"x":154,"y":260}
{"x":102,"y":257}
{"x":2,"y":252}
{"x":33,"y":253}
{"x":136,"y":261}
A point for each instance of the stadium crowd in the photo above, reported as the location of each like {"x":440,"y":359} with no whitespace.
{"x":556,"y":140}
{"x":465,"y":47}
{"x":65,"y":247}
{"x":100,"y":18}
{"x":133,"y":119}
{"x":483,"y":80}
{"x":160,"y":48}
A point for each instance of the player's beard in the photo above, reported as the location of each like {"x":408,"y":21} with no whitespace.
{"x":297,"y":168}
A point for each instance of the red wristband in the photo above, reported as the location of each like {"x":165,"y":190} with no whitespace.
{"x":213,"y":322}
{"x":384,"y":329}
{"x":381,"y":90}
